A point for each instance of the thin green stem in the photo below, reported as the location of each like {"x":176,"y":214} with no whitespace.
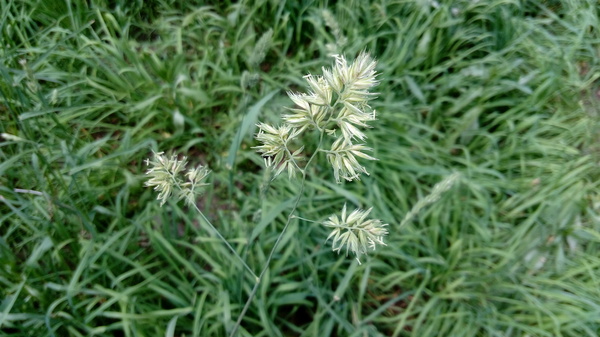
{"x":177,"y":183}
{"x":289,"y":153}
{"x":226,"y":242}
{"x":287,"y":223}
{"x":304,"y":219}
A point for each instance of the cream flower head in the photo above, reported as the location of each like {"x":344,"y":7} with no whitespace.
{"x":336,"y":101}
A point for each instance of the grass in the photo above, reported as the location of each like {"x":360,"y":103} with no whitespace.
{"x":506,"y":93}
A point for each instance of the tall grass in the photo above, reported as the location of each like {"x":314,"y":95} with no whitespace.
{"x":503,"y":92}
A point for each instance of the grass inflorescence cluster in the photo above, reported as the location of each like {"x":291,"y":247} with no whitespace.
{"x":483,"y":204}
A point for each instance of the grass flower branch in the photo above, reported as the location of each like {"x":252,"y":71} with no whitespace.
{"x":165,"y":175}
{"x":336,"y":106}
{"x":336,"y":102}
{"x":274,"y":249}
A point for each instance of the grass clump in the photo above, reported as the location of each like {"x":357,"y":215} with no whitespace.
{"x":487,"y":173}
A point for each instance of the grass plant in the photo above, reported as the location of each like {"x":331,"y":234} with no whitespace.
{"x":487,"y":173}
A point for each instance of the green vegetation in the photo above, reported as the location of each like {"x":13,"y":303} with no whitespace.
{"x":504,"y":93}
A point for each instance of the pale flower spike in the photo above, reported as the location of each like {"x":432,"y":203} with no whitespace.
{"x":355,"y":232}
{"x":165,"y":175}
{"x":343,"y":160}
{"x":275,"y":148}
{"x":336,"y":101}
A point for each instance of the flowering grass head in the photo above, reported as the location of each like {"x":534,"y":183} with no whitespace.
{"x":166,"y":177}
{"x":336,"y":104}
{"x":342,"y":158}
{"x":354,"y":231}
{"x":275,"y":148}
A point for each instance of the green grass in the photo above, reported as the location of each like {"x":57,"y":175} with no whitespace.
{"x":507,"y":93}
